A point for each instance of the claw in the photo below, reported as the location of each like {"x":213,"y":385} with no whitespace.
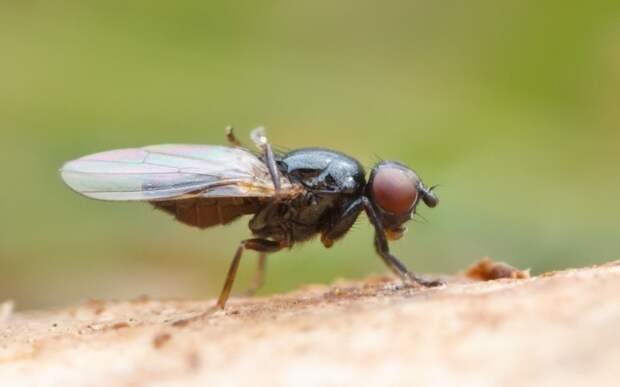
{"x":212,"y":311}
{"x":412,"y":278}
{"x":433,"y":283}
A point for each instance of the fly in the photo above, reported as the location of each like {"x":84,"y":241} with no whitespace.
{"x":292,"y":197}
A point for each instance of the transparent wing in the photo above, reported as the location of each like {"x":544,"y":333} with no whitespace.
{"x":164,"y":172}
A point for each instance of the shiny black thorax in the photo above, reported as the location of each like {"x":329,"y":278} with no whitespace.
{"x":331,"y":181}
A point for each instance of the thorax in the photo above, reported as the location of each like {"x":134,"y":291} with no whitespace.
{"x":330,"y":181}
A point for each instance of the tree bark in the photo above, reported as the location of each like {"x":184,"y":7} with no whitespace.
{"x":556,"y":329}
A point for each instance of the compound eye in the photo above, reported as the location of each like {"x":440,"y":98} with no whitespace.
{"x":394,"y":190}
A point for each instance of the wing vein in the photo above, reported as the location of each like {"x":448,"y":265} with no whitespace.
{"x":170,"y":172}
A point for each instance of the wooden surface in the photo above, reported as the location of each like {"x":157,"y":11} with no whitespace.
{"x":558,"y":329}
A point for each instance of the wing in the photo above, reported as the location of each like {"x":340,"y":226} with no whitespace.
{"x":170,"y":172}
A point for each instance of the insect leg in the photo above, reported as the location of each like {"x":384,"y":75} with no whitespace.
{"x":382,"y":247}
{"x":257,"y":244}
{"x":260,"y":139}
{"x":260,"y":275}
{"x":232,"y":139}
{"x":348,"y":217}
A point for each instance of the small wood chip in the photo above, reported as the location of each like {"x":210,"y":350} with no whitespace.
{"x":486,"y":270}
{"x":120,"y":325}
{"x":160,"y":339}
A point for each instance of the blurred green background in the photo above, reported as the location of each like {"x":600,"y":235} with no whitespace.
{"x":512,"y":107}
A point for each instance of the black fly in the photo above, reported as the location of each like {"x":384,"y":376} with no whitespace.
{"x":292,"y":197}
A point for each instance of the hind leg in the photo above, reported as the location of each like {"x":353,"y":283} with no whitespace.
{"x":259,"y":278}
{"x":261,"y":245}
{"x":232,"y":139}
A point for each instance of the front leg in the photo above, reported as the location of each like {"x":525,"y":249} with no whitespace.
{"x":383,"y":249}
{"x":343,"y":224}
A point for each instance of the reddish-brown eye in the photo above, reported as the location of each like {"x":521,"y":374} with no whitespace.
{"x":394,"y":190}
